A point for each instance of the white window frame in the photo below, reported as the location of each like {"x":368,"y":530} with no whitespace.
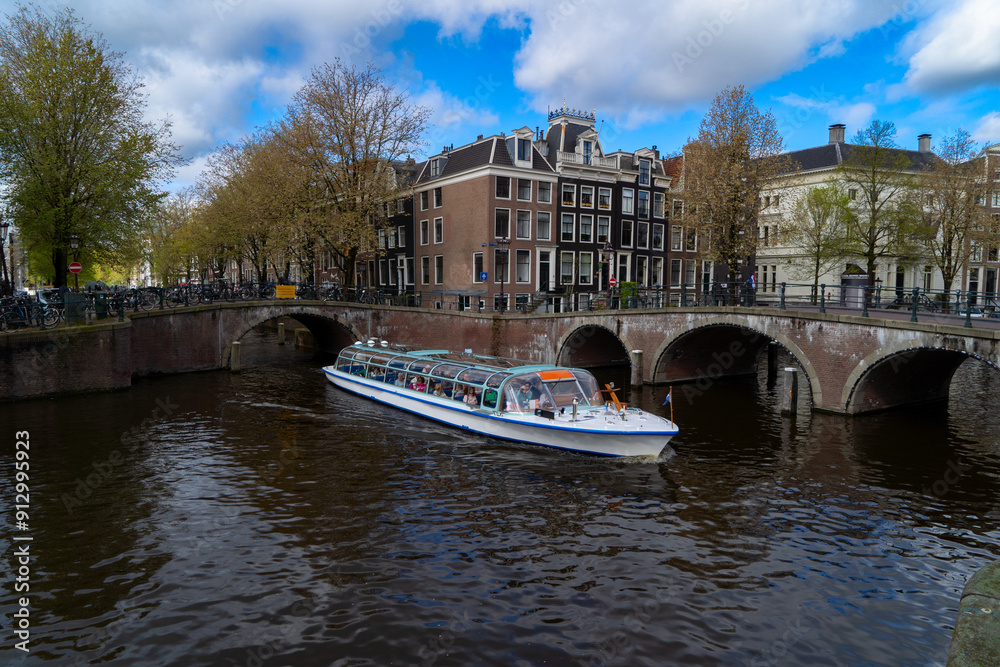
{"x":523,"y":180}
{"x":477,"y":266}
{"x":562,"y":228}
{"x":438,"y":269}
{"x":587,"y":189}
{"x":518,"y":254}
{"x":496,"y":219}
{"x":628,"y":201}
{"x":590,"y":238}
{"x":563,"y":254}
{"x":539,"y":216}
{"x":571,"y":189}
{"x":438,"y":231}
{"x":517,"y":224}
{"x":586,"y":268}
{"x":496,"y":187}
{"x":425,"y":232}
{"x":604,"y":194}
{"x":544,"y":192}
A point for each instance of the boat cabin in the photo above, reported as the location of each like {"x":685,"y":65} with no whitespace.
{"x":479,"y":381}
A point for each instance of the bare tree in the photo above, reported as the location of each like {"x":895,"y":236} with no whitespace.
{"x":879,"y":179}
{"x":736,"y":157}
{"x":818,"y":230}
{"x":953,"y":189}
{"x":348,"y":126}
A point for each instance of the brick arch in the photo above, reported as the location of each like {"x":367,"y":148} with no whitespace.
{"x":565,"y":341}
{"x":311,"y":317}
{"x":768,"y":332}
{"x":903,"y":372}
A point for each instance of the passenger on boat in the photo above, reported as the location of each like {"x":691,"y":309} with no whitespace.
{"x":438,"y":390}
{"x":472,"y":398}
{"x":421,"y":384}
{"x":459,"y":394}
{"x":524,"y":397}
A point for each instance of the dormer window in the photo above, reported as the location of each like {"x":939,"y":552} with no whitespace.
{"x":643,"y":172}
{"x":524,"y":150}
{"x":436,"y":167}
{"x":588,"y":151}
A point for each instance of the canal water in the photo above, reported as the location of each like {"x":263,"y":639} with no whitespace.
{"x":269,"y":519}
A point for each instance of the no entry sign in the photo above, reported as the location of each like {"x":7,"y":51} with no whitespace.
{"x":75,"y":267}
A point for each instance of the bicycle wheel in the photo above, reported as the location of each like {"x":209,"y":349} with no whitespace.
{"x":147,"y":299}
{"x":49,"y":317}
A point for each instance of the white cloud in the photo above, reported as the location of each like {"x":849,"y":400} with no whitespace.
{"x":988,"y":129}
{"x":957,"y":49}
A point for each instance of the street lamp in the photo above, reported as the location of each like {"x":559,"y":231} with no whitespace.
{"x":503,"y":247}
{"x":74,"y":243}
{"x":5,"y":284}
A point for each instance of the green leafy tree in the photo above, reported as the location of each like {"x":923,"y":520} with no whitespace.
{"x":879,"y":178}
{"x":76,"y":153}
{"x":817,"y":228}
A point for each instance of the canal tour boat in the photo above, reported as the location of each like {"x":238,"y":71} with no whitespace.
{"x":514,"y":400}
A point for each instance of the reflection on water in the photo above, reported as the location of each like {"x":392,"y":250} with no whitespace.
{"x":268,"y":518}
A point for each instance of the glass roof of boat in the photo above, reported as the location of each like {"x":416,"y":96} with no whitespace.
{"x":395,"y":354}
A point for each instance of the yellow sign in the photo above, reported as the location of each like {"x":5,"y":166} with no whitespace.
{"x":285,"y":291}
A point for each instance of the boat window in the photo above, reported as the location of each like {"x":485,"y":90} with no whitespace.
{"x":497,"y":379}
{"x":380,"y":359}
{"x":588,"y":384}
{"x":474,"y":376}
{"x":490,"y":398}
{"x":447,"y":370}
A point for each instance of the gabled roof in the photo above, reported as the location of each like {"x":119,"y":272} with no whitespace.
{"x":832,"y":155}
{"x":484,"y":152}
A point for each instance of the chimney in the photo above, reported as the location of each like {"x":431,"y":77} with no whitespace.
{"x":924,"y":143}
{"x":837,"y":133}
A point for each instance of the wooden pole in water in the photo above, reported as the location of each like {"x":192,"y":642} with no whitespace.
{"x":234,"y":358}
{"x":636,"y":368}
{"x":790,"y":397}
{"x":281,"y":333}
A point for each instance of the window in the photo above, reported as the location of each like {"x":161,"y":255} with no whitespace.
{"x":438,"y":269}
{"x":524,"y":149}
{"x":996,"y":174}
{"x":640,"y":270}
{"x":438,"y":230}
{"x":604,"y":199}
{"x":764,"y":236}
{"x":381,"y":239}
{"x":438,"y":200}
{"x":568,"y":229}
{"x":603,"y":228}
{"x":643,"y":204}
{"x":586,"y":229}
{"x":642,"y":235}
{"x":643,"y":172}
{"x":852,"y":194}
{"x":424,"y":232}
{"x":435,"y":167}
{"x":678,"y":209}
{"x":425,"y":270}
{"x":501,"y":228}
{"x":523,"y":225}
{"x":657,"y":204}
{"x":523,"y":189}
{"x":477,"y":267}
{"x":544,"y":225}
{"x":657,"y":277}
{"x":775,"y":200}
{"x":500,"y":267}
{"x":676,"y":236}
{"x":401,"y":237}
{"x":975,"y":252}
{"x":568,"y":195}
{"x":544,"y":193}
{"x":692,"y":240}
{"x":423,"y":200}
{"x":566,"y":268}
{"x":996,"y":199}
{"x":400,"y":205}
{"x":390,"y":235}
{"x":657,"y":237}
{"x":586,"y":268}
{"x":626,"y":233}
{"x":587,"y":196}
{"x":523,"y":266}
{"x":627,"y":201}
{"x":588,"y":151}
{"x":503,"y":187}
{"x":928,"y":276}
{"x":690,"y":271}
{"x":675,"y":272}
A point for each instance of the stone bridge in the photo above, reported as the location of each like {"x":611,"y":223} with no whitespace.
{"x":850,"y":364}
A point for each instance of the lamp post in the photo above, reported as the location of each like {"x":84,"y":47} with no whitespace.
{"x":608,"y":259}
{"x":503,"y":247}
{"x":74,"y":244}
{"x":4,"y":275}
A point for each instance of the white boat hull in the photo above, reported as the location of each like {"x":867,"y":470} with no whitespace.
{"x":596,"y":431}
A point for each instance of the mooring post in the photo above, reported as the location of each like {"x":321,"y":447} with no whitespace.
{"x":790,"y":396}
{"x":234,"y":358}
{"x":772,"y":361}
{"x":636,"y":368}
{"x":281,"y":333}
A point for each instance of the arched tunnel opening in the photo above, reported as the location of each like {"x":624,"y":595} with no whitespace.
{"x":710,"y":353}
{"x":910,"y":377}
{"x":306,"y":334}
{"x":593,"y":347}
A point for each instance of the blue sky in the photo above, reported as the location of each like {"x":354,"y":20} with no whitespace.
{"x":648,"y":68}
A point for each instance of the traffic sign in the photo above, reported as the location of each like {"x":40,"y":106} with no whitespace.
{"x":612,"y":281}
{"x":75,"y":267}
{"x":482,"y":276}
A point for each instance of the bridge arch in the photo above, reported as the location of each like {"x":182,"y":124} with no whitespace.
{"x":903,"y":373}
{"x":710,"y":350}
{"x":592,"y":345}
{"x":331,"y":332}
